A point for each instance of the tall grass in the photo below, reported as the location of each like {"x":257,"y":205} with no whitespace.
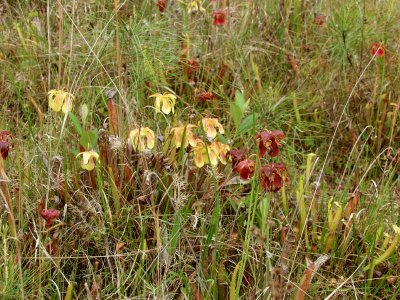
{"x":151,"y":224}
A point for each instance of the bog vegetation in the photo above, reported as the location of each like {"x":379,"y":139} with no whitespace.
{"x":206,"y":149}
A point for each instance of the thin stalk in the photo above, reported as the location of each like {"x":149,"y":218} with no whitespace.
{"x":117,"y":44}
{"x":250,"y":220}
{"x":60,"y":40}
{"x":5,"y":193}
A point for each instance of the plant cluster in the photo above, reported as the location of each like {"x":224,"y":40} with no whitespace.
{"x":202,"y":149}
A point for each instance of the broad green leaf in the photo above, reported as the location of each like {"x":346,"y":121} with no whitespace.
{"x":88,"y":139}
{"x":238,"y":108}
{"x":75,"y":122}
{"x":84,"y":114}
{"x":239,"y":101}
{"x":237,"y":114}
{"x":247,"y":123}
{"x":175,"y":233}
{"x":222,"y":139}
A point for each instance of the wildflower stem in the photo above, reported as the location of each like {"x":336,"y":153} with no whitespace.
{"x":284,"y":201}
{"x":5,"y":194}
{"x":117,"y":44}
{"x":250,"y":221}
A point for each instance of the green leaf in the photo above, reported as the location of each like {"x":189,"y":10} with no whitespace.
{"x":175,"y":233}
{"x":232,"y":287}
{"x":247,"y":123}
{"x":238,"y":108}
{"x":237,"y":114}
{"x":88,"y":139}
{"x":222,"y":139}
{"x":240,"y":102}
{"x":214,"y":224}
{"x":309,"y":141}
{"x":75,"y":122}
{"x":84,"y":113}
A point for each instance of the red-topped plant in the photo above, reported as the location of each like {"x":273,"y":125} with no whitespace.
{"x":162,"y":4}
{"x":319,"y":19}
{"x":206,"y":96}
{"x":192,"y":66}
{"x":273,"y":176}
{"x":377,"y":49}
{"x":236,"y":156}
{"x":49,"y":215}
{"x":219,"y":17}
{"x":269,"y":141}
{"x":245,"y":168}
{"x":5,"y":143}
